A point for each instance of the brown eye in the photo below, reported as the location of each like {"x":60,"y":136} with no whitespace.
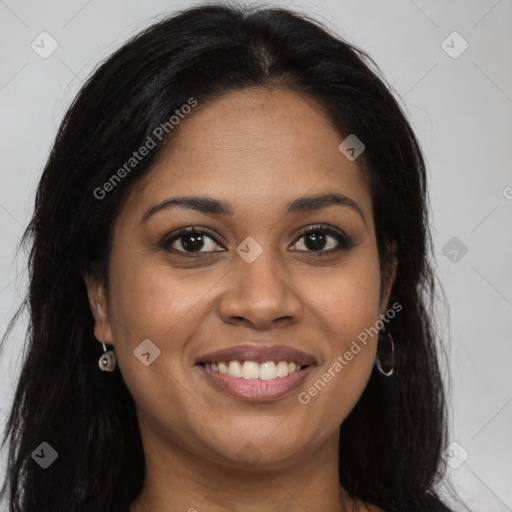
{"x":316,"y":239}
{"x":193,"y":240}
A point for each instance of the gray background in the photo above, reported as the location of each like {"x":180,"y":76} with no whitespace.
{"x":461,"y":111}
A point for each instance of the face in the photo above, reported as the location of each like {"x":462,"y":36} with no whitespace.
{"x":261,"y":282}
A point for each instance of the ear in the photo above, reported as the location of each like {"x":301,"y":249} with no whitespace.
{"x":98,"y":305}
{"x":388,"y":277}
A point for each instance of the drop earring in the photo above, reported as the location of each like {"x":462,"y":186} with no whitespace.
{"x":107,"y":361}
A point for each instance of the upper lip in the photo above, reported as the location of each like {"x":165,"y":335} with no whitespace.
{"x":258,"y":354}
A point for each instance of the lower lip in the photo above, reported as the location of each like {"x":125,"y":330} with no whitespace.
{"x":256,"y":389}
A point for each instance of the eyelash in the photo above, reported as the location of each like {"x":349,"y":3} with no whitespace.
{"x":345,"y":243}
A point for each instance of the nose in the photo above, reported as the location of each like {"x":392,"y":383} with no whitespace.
{"x":261,"y":294}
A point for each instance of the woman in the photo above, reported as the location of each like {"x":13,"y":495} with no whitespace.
{"x":230,"y":286}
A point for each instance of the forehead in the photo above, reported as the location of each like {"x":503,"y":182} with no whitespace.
{"x":255,"y":146}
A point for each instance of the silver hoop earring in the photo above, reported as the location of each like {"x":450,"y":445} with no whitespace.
{"x":107,"y":361}
{"x":388,"y":359}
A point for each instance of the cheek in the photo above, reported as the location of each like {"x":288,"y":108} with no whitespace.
{"x":348,"y":299}
{"x":148,"y":302}
{"x":158,"y":305}
{"x":348,"y":305}
{"x":154,"y":300}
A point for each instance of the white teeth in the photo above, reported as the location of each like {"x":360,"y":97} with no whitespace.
{"x":268,"y":370}
{"x":250,"y":370}
{"x":235,"y":369}
{"x":282,"y":369}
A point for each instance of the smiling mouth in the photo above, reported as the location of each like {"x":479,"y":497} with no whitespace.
{"x":252,"y":370}
{"x":253,"y":381}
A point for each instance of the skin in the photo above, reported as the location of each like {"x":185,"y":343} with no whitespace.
{"x":256,"y":149}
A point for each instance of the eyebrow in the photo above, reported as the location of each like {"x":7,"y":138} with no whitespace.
{"x":209,"y":205}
